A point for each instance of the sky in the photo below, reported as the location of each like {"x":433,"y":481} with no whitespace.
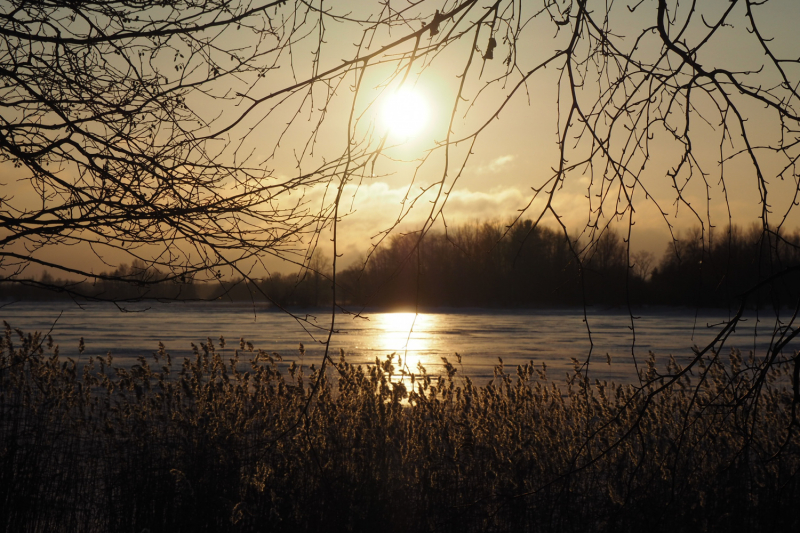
{"x":418,"y":177}
{"x":518,"y":151}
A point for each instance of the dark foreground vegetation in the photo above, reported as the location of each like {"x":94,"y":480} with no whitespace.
{"x":237,"y":440}
{"x":487,"y":265}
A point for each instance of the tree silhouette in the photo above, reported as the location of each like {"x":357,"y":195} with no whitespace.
{"x":102,"y":111}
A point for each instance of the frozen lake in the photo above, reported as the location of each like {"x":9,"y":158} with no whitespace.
{"x":480,"y":336}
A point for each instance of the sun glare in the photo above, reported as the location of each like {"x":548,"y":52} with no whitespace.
{"x":410,"y":336}
{"x":405,"y":113}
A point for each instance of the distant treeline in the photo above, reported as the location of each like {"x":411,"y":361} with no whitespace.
{"x":309,"y":288}
{"x":488,"y":265}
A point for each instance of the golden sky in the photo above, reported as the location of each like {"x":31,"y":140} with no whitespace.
{"x":519,"y":151}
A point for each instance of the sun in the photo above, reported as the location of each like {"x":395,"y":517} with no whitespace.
{"x":405,"y":113}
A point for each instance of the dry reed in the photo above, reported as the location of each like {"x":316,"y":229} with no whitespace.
{"x":238,"y":440}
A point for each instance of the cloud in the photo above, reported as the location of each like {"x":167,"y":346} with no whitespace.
{"x":496,"y":204}
{"x":368,"y":210}
{"x":496,"y":165}
{"x":377,"y":208}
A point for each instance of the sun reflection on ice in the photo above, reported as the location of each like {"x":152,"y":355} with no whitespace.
{"x":410,"y":336}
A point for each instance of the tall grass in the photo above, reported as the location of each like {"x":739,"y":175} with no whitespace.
{"x":237,"y":440}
